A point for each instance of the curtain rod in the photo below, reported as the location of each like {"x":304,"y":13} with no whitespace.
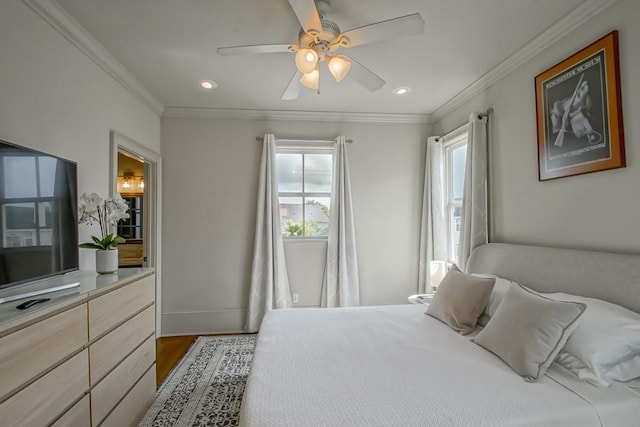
{"x":486,"y":113}
{"x":261,"y":139}
{"x":458,"y":130}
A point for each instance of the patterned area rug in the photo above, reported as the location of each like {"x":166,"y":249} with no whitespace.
{"x":206,"y":387}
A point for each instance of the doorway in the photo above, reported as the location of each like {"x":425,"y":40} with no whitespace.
{"x":130,"y":183}
{"x":136,"y":173}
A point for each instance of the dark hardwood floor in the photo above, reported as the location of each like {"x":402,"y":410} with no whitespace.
{"x":169,"y":350}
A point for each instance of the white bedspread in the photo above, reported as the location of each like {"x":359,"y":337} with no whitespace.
{"x":394,"y":366}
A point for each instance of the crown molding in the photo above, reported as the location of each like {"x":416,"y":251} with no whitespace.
{"x":551,"y":35}
{"x":316,"y":116}
{"x":69,"y":28}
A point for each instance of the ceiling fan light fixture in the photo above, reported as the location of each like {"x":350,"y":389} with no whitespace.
{"x":306,"y":60}
{"x":339,"y":67}
{"x":311,"y":80}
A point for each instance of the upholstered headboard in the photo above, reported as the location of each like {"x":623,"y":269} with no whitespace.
{"x":606,"y":276}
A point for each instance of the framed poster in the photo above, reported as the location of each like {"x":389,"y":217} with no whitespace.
{"x":579,"y":113}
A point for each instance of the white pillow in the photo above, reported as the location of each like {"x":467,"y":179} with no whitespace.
{"x":606,"y":340}
{"x":579,"y":369}
{"x":499,"y":290}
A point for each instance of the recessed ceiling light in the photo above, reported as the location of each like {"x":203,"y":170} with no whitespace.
{"x":402,"y":90}
{"x":208,"y":84}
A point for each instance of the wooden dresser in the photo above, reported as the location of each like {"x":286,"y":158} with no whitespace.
{"x":84,"y":358}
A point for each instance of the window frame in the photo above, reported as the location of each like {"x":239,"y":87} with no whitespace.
{"x":452,"y":141}
{"x":135,"y":220}
{"x":303,"y":150}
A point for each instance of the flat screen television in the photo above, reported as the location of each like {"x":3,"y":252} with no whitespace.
{"x":38,"y":215}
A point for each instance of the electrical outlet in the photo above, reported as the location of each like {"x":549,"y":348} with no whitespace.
{"x":296,"y":298}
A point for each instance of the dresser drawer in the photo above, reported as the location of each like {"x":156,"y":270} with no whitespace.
{"x":113,"y":387}
{"x":109,"y":350}
{"x":44,"y":400}
{"x":135,"y":404}
{"x":108,"y":310}
{"x":28,"y":352}
{"x":78,"y":416}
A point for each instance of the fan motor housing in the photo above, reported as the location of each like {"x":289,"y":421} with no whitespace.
{"x":330,"y":33}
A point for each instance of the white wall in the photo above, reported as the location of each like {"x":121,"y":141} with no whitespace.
{"x":594,"y":211}
{"x":210,"y":183}
{"x":53,"y":98}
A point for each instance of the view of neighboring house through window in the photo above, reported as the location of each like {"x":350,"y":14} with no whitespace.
{"x":304,"y":190}
{"x":455,"y":159}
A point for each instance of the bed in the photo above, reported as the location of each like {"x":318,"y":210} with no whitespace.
{"x":393,"y":365}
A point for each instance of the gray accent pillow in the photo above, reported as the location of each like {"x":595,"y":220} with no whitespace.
{"x":528,"y":330}
{"x":460,"y":300}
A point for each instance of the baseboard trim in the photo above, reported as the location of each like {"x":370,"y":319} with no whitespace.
{"x":209,"y":322}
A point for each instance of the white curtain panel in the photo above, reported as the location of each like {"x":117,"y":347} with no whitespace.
{"x":341,"y":285}
{"x":474,"y":229}
{"x":432,"y":228}
{"x":269,"y":281}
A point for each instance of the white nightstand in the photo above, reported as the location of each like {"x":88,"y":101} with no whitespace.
{"x":421,"y":298}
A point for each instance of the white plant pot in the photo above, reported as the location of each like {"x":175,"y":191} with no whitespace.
{"x":106,"y":261}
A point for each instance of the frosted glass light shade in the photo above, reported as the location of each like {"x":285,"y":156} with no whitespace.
{"x":339,"y":67}
{"x":311,"y":79}
{"x":306,"y":60}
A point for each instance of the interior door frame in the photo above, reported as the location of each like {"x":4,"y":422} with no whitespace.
{"x":152,"y":203}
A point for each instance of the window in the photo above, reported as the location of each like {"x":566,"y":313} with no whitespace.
{"x":455,"y":158}
{"x":131,"y":228}
{"x":304,"y":190}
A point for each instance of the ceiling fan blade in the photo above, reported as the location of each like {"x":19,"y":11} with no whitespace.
{"x":364,"y":76}
{"x":259,"y":48}
{"x":385,"y":30}
{"x":293,"y":89}
{"x":308,"y":15}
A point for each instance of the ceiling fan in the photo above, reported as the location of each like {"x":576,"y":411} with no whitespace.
{"x":319,"y":39}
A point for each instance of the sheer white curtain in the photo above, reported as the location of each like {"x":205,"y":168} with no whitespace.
{"x":269,"y":281}
{"x":474,"y":229}
{"x":341,"y":285}
{"x":432,"y":228}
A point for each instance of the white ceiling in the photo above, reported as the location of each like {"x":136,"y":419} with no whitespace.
{"x":170,"y":45}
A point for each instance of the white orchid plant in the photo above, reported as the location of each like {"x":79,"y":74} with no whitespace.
{"x":106,"y":213}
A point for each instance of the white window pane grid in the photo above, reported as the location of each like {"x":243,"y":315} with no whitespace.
{"x":304,"y":213}
{"x":289,"y":167}
{"x":455,"y":162}
{"x":317,"y":173}
{"x":454,"y":222}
